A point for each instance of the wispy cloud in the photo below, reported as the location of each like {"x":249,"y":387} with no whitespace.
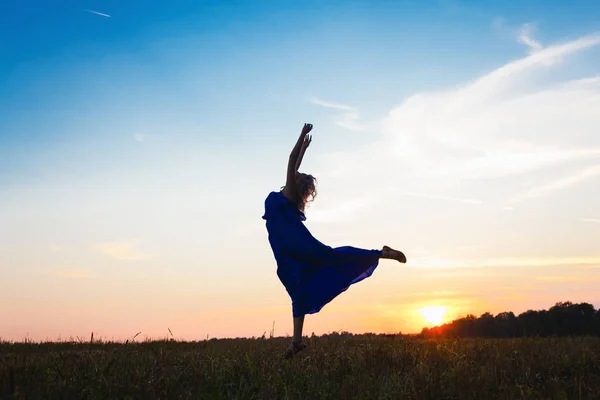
{"x":139,"y":137}
{"x":525,"y":38}
{"x":348,"y":119}
{"x":595,"y":220}
{"x":122,"y":250}
{"x":424,"y":262}
{"x":328,"y":104}
{"x":98,"y":13}
{"x":511,"y":122}
{"x":546,"y":57}
{"x":560,"y":184}
{"x":568,"y":278}
{"x":439,"y":197}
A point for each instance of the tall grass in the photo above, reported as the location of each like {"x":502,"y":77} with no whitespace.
{"x":333,"y":367}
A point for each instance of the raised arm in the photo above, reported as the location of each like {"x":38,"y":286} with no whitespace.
{"x":305,"y":144}
{"x":289,"y":191}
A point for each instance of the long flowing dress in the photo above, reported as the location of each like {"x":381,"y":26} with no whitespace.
{"x":313,"y":273}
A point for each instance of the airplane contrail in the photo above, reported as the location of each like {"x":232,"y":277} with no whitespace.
{"x":98,"y":13}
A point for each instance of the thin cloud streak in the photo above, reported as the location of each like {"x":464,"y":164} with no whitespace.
{"x":568,"y":279}
{"x":525,"y":37}
{"x":121,"y":250}
{"x":441,"y":263}
{"x":560,"y":184}
{"x":98,"y":13}
{"x":347,"y":120}
{"x":328,"y":104}
{"x":546,"y":57}
{"x":438,"y":197}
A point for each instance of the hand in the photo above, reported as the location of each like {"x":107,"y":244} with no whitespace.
{"x":306,"y":129}
{"x":306,"y":142}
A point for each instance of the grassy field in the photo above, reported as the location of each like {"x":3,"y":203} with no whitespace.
{"x":333,"y":367}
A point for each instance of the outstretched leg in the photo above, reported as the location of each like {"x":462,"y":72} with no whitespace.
{"x":389,"y":253}
{"x":297,"y":343}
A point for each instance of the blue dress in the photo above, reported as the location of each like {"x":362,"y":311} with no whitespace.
{"x":313,"y":273}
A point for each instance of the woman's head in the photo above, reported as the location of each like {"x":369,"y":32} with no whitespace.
{"x":306,"y":189}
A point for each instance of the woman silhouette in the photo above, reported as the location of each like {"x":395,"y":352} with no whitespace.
{"x":312,"y":272}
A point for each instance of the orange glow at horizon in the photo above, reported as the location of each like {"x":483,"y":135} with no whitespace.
{"x":434,"y":315}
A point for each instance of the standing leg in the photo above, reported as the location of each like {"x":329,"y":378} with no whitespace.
{"x":297,"y":343}
{"x":298,"y":325}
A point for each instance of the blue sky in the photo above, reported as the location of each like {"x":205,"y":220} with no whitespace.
{"x":239,"y":70}
{"x":138,"y":142}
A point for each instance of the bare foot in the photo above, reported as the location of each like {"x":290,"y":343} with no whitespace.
{"x":388,"y":252}
{"x":294,"y":348}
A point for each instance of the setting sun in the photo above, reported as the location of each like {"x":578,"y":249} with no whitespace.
{"x":433,"y":314}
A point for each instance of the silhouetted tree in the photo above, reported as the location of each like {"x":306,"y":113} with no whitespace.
{"x":562,"y":319}
{"x":507,"y":325}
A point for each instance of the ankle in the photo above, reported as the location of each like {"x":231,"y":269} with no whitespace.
{"x":385,"y":252}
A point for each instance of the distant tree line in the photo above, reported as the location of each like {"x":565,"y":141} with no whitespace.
{"x":563,"y":319}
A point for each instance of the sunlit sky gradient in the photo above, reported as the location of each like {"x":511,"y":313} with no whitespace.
{"x":138,"y":141}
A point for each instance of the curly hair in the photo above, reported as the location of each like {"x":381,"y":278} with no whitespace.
{"x":306,"y":189}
